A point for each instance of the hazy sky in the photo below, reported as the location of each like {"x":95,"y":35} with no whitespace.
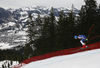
{"x":48,"y":3}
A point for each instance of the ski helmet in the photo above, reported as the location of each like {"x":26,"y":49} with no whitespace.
{"x":75,"y":36}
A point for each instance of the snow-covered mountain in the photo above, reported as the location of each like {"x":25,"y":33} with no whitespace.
{"x":11,"y":35}
{"x":13,"y":23}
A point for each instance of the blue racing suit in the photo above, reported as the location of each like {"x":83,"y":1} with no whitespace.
{"x":83,"y":38}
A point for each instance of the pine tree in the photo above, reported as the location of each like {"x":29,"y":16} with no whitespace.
{"x":11,"y":62}
{"x":88,"y":17}
{"x":45,"y":32}
{"x":72,"y":28}
{"x":51,"y":29}
{"x":3,"y":66}
{"x":31,"y":32}
{"x":45,"y":43}
{"x":39,"y":20}
{"x":61,"y":32}
{"x":27,"y":51}
{"x":8,"y":65}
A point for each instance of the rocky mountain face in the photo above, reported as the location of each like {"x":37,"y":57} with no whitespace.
{"x":4,"y":15}
{"x":13,"y":23}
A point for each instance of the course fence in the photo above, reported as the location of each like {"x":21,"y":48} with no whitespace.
{"x":58,"y":53}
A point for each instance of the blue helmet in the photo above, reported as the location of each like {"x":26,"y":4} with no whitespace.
{"x":75,"y":36}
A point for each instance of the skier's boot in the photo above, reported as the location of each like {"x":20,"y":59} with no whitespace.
{"x":84,"y":46}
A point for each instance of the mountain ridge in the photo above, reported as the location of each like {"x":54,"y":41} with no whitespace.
{"x":13,"y":22}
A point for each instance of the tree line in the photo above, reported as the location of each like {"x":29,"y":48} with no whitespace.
{"x":47,"y":34}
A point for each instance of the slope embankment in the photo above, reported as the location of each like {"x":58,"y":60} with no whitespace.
{"x":59,"y":53}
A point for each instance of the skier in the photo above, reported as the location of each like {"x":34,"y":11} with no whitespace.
{"x":82,"y":38}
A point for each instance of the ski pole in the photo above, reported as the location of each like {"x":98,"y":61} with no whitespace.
{"x":90,"y":30}
{"x":94,"y":37}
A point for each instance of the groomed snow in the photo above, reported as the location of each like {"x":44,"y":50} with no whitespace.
{"x":87,"y":59}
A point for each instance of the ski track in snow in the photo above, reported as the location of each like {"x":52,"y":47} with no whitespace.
{"x":87,"y":59}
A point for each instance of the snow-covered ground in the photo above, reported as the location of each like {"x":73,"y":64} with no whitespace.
{"x":87,"y":59}
{"x":5,"y":63}
{"x":11,"y":35}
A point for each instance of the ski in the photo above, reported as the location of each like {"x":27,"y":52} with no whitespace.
{"x":83,"y":48}
{"x":88,"y":47}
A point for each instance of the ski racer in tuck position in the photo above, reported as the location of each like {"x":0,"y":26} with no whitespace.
{"x":82,"y":38}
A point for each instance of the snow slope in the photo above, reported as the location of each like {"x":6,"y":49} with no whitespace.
{"x":87,"y":59}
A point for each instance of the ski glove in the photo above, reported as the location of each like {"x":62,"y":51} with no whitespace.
{"x":86,"y":39}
